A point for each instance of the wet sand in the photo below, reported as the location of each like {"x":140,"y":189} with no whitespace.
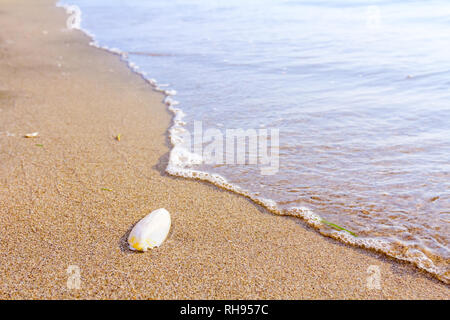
{"x":56,"y":212}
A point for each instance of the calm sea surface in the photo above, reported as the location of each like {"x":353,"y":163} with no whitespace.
{"x":359,"y":90}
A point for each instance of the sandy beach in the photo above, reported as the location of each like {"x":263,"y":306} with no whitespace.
{"x":70,"y":196}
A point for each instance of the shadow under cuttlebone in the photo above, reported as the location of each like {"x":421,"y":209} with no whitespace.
{"x":123,"y":242}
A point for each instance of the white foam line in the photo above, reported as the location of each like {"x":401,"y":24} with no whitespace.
{"x":180,"y":159}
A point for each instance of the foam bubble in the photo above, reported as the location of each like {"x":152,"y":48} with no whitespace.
{"x":306,"y":214}
{"x":170,"y":92}
{"x":170,"y":102}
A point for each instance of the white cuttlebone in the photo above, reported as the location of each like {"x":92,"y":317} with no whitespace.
{"x":32,"y":135}
{"x":151,"y":231}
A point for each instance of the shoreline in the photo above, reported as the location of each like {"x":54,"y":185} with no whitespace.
{"x":176,"y":169}
{"x":221,"y":245}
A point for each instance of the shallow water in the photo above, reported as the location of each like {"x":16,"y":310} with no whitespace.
{"x":359,"y":91}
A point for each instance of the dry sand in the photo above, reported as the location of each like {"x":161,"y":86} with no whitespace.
{"x":54,"y":212}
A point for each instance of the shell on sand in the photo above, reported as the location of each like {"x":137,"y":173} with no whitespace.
{"x":32,"y":135}
{"x":151,"y":231}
